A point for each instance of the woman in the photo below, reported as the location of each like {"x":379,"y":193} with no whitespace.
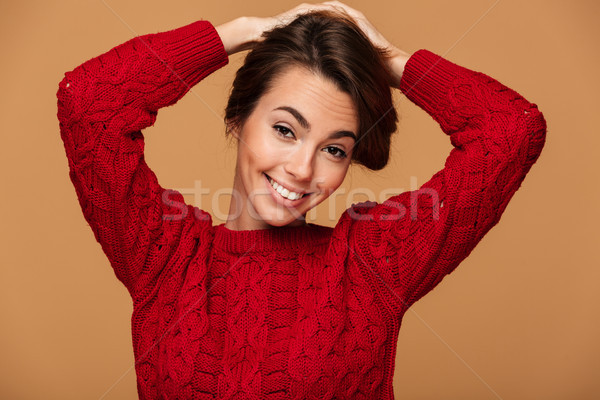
{"x":267,"y":306}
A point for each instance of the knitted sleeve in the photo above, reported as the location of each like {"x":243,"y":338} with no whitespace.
{"x":411,"y":241}
{"x":102,"y":106}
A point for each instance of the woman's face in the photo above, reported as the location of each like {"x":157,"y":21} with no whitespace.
{"x":300,"y":135}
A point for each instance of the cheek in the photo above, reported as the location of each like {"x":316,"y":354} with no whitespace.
{"x":269,"y":152}
{"x":260,"y":157}
{"x":333,"y":179}
{"x":253,"y":147}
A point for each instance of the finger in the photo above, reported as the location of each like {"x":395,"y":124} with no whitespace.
{"x":302,"y":9}
{"x":339,"y":4}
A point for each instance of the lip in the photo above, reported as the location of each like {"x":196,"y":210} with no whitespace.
{"x":281,"y":200}
{"x":288,"y":187}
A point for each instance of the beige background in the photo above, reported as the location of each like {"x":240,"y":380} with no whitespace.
{"x":519,"y":319}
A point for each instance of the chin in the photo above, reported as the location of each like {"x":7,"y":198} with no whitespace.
{"x":278,"y":216}
{"x":282,"y":222}
{"x":285,"y":223}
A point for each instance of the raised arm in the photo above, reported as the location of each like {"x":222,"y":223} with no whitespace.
{"x":103,"y":105}
{"x":411,"y":241}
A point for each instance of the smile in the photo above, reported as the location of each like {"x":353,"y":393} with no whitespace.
{"x":286,"y":193}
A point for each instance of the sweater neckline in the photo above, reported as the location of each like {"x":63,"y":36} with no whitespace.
{"x":277,"y":238}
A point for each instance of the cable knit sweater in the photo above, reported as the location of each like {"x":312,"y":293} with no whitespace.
{"x":306,"y":312}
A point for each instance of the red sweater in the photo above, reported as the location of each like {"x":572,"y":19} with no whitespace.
{"x":309,"y":312}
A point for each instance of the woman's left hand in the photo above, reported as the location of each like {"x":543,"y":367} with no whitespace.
{"x":397,"y":58}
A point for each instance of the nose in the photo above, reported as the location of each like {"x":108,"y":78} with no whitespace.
{"x":300,"y":164}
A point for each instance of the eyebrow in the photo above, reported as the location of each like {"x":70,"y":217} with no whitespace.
{"x":304,"y":123}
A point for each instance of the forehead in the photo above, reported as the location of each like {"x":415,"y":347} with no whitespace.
{"x":316,"y":97}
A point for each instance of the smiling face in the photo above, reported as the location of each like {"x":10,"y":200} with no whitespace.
{"x":294,"y":150}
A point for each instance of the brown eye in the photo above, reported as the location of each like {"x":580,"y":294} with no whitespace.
{"x":283,"y":131}
{"x":337,"y":152}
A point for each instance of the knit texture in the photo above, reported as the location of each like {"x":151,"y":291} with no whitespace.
{"x":307,"y":312}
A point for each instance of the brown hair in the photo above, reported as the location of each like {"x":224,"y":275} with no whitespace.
{"x":332,"y":45}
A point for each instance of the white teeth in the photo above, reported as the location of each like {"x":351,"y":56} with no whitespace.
{"x":283,"y":191}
